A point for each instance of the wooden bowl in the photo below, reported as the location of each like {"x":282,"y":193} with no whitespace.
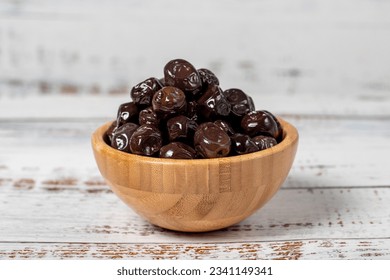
{"x":196,"y":195}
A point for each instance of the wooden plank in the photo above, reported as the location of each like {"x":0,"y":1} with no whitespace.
{"x":51,"y":48}
{"x":59,"y":211}
{"x":314,"y":249}
{"x":332,"y":152}
{"x":348,"y":11}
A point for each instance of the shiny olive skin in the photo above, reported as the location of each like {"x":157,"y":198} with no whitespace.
{"x":146,"y":140}
{"x":264,"y":142}
{"x":208,"y":78}
{"x":181,"y":127}
{"x":148,"y":116}
{"x":279,"y":126}
{"x":212,"y":104}
{"x":243,"y":144}
{"x":240,"y":102}
{"x":110,"y":131}
{"x":192,"y":111}
{"x":143,"y":92}
{"x":177,"y":150}
{"x":127,"y":112}
{"x":225,"y":126}
{"x":260,"y":123}
{"x":183,"y":75}
{"x":121,"y":137}
{"x":169,"y":100}
{"x":210,"y":141}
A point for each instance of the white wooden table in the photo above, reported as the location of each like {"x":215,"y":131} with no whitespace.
{"x":323,"y":65}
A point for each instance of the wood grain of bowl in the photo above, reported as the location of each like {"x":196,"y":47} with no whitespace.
{"x":196,"y":195}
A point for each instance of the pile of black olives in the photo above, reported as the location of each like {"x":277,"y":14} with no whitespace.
{"x":186,"y":115}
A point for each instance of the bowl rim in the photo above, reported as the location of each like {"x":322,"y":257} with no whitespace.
{"x":290,"y":136}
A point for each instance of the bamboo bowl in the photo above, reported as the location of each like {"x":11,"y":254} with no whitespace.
{"x":196,"y":195}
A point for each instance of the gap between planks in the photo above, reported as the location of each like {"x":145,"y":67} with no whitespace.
{"x":198,"y":243}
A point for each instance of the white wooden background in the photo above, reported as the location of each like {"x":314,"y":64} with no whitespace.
{"x":324,"y":65}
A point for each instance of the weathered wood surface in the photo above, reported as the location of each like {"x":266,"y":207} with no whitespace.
{"x":317,"y":57}
{"x":324,"y":66}
{"x":69,"y":214}
{"x":297,"y":47}
{"x":280,"y":250}
{"x":337,"y":192}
